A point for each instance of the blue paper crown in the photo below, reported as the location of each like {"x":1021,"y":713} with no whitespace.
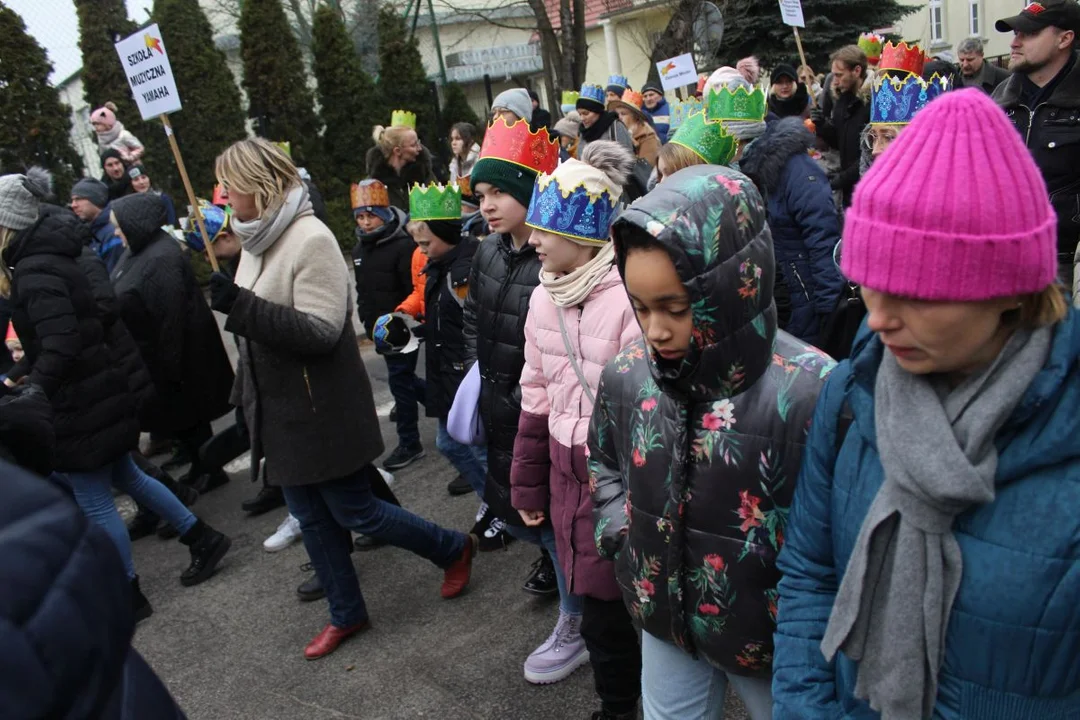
{"x":214,"y":218}
{"x":577,"y":214}
{"x":894,"y":101}
{"x":619,"y":81}
{"x":592,"y":92}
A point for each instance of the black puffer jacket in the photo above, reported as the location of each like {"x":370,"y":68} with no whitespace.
{"x":500,"y":285}
{"x":418,"y":171}
{"x":444,"y":325}
{"x":1050,"y":128}
{"x":65,"y":618}
{"x":383,"y":264}
{"x":166,"y":313}
{"x":841,"y":128}
{"x":56,"y":317}
{"x":692,"y":465}
{"x":122,"y":348}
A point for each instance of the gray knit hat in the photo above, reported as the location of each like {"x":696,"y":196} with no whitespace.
{"x":517,"y":101}
{"x":21,"y":196}
{"x":93,"y":190}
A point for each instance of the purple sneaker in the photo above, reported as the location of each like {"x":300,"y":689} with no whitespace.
{"x":560,"y":655}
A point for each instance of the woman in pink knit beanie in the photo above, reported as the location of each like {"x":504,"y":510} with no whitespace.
{"x":931,"y":548}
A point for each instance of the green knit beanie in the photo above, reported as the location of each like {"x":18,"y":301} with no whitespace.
{"x":507,"y":176}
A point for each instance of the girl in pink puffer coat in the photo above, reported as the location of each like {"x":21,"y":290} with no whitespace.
{"x":579,"y":319}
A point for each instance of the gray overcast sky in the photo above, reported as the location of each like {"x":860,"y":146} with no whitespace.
{"x":54,"y":25}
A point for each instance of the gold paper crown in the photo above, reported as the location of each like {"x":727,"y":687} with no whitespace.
{"x":369,"y":193}
{"x":435,"y":202}
{"x":403,"y":118}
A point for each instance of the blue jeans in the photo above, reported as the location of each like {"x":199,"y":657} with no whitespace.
{"x":407,"y":390}
{"x":544,"y":536}
{"x":326,"y":509}
{"x":94,"y":497}
{"x":469,"y":460}
{"x":675,"y":686}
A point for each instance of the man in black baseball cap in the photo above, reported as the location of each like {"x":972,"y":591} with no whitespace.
{"x":1042,"y":98}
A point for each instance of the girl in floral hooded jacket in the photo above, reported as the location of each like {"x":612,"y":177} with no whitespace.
{"x":696,"y":440}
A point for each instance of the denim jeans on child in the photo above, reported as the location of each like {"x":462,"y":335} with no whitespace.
{"x":324,"y":509}
{"x":469,"y":460}
{"x":94,"y":496}
{"x":544,"y":536}
{"x":408,"y":390}
{"x":675,"y":686}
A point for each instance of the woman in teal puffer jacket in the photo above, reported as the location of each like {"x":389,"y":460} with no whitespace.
{"x":930,"y":569}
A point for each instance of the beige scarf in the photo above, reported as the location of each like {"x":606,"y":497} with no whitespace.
{"x":572,"y":288}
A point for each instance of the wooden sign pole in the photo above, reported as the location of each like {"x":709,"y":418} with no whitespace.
{"x":190,"y":193}
{"x":802,"y":57}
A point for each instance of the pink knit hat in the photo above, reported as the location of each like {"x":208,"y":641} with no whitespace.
{"x":954,"y":210}
{"x":104,"y":115}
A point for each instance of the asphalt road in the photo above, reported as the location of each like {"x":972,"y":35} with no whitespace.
{"x":232,"y":648}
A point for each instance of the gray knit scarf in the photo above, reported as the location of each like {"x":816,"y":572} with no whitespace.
{"x":259,"y":235}
{"x":937,"y":449}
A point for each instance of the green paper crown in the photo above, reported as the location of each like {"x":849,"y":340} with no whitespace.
{"x":435,"y":202}
{"x":706,"y":139}
{"x":739,"y":106}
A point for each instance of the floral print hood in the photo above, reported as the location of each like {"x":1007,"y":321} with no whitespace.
{"x":711,"y":220}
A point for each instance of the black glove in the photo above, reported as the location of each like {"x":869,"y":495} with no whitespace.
{"x":223,"y":292}
{"x":817,"y":115}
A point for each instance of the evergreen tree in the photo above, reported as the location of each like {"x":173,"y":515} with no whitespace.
{"x":456,"y":109}
{"x":211,"y":118}
{"x":35,"y":127}
{"x":101,"y":24}
{"x":403,"y":82}
{"x":755,"y":28}
{"x":350,"y":107}
{"x":276,"y":83}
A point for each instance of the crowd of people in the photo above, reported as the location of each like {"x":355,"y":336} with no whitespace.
{"x":779,"y":379}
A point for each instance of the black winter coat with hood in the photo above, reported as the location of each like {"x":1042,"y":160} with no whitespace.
{"x":65,"y":621}
{"x":383,"y":264}
{"x":692,"y":464}
{"x":56,"y":317}
{"x":444,"y":326}
{"x":804,"y":222}
{"x":500,"y":285}
{"x":418,"y":171}
{"x":164,"y":309}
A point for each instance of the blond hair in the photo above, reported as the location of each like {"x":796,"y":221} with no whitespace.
{"x":388,"y":138}
{"x":259,"y":168}
{"x":1043,"y":308}
{"x":676,"y":157}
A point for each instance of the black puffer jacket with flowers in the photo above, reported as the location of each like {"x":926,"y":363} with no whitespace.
{"x":693,"y":465}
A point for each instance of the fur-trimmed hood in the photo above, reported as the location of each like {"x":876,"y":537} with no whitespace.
{"x":766,"y":157}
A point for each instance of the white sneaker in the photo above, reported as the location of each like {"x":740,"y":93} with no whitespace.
{"x":287,"y":533}
{"x":481,"y":511}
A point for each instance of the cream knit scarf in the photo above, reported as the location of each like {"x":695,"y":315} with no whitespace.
{"x":572,"y":288}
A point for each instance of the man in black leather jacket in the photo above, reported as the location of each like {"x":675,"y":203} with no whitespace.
{"x":1042,"y":98}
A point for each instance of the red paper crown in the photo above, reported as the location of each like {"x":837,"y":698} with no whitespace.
{"x":902,"y":57}
{"x":517,"y":144}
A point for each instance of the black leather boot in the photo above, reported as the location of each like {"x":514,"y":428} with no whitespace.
{"x":208,"y":547}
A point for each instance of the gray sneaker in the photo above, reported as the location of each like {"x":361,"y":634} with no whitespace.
{"x":560,"y":655}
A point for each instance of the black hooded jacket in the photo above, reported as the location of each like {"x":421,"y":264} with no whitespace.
{"x":55,"y":315}
{"x":500,"y":285}
{"x":383,"y":264}
{"x":693,"y":465}
{"x":444,"y":323}
{"x":117,"y":188}
{"x":165,"y":311}
{"x":417,"y":172}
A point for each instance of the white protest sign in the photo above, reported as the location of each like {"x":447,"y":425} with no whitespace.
{"x":792,"y":12}
{"x":149,"y":74}
{"x":677,"y":72}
